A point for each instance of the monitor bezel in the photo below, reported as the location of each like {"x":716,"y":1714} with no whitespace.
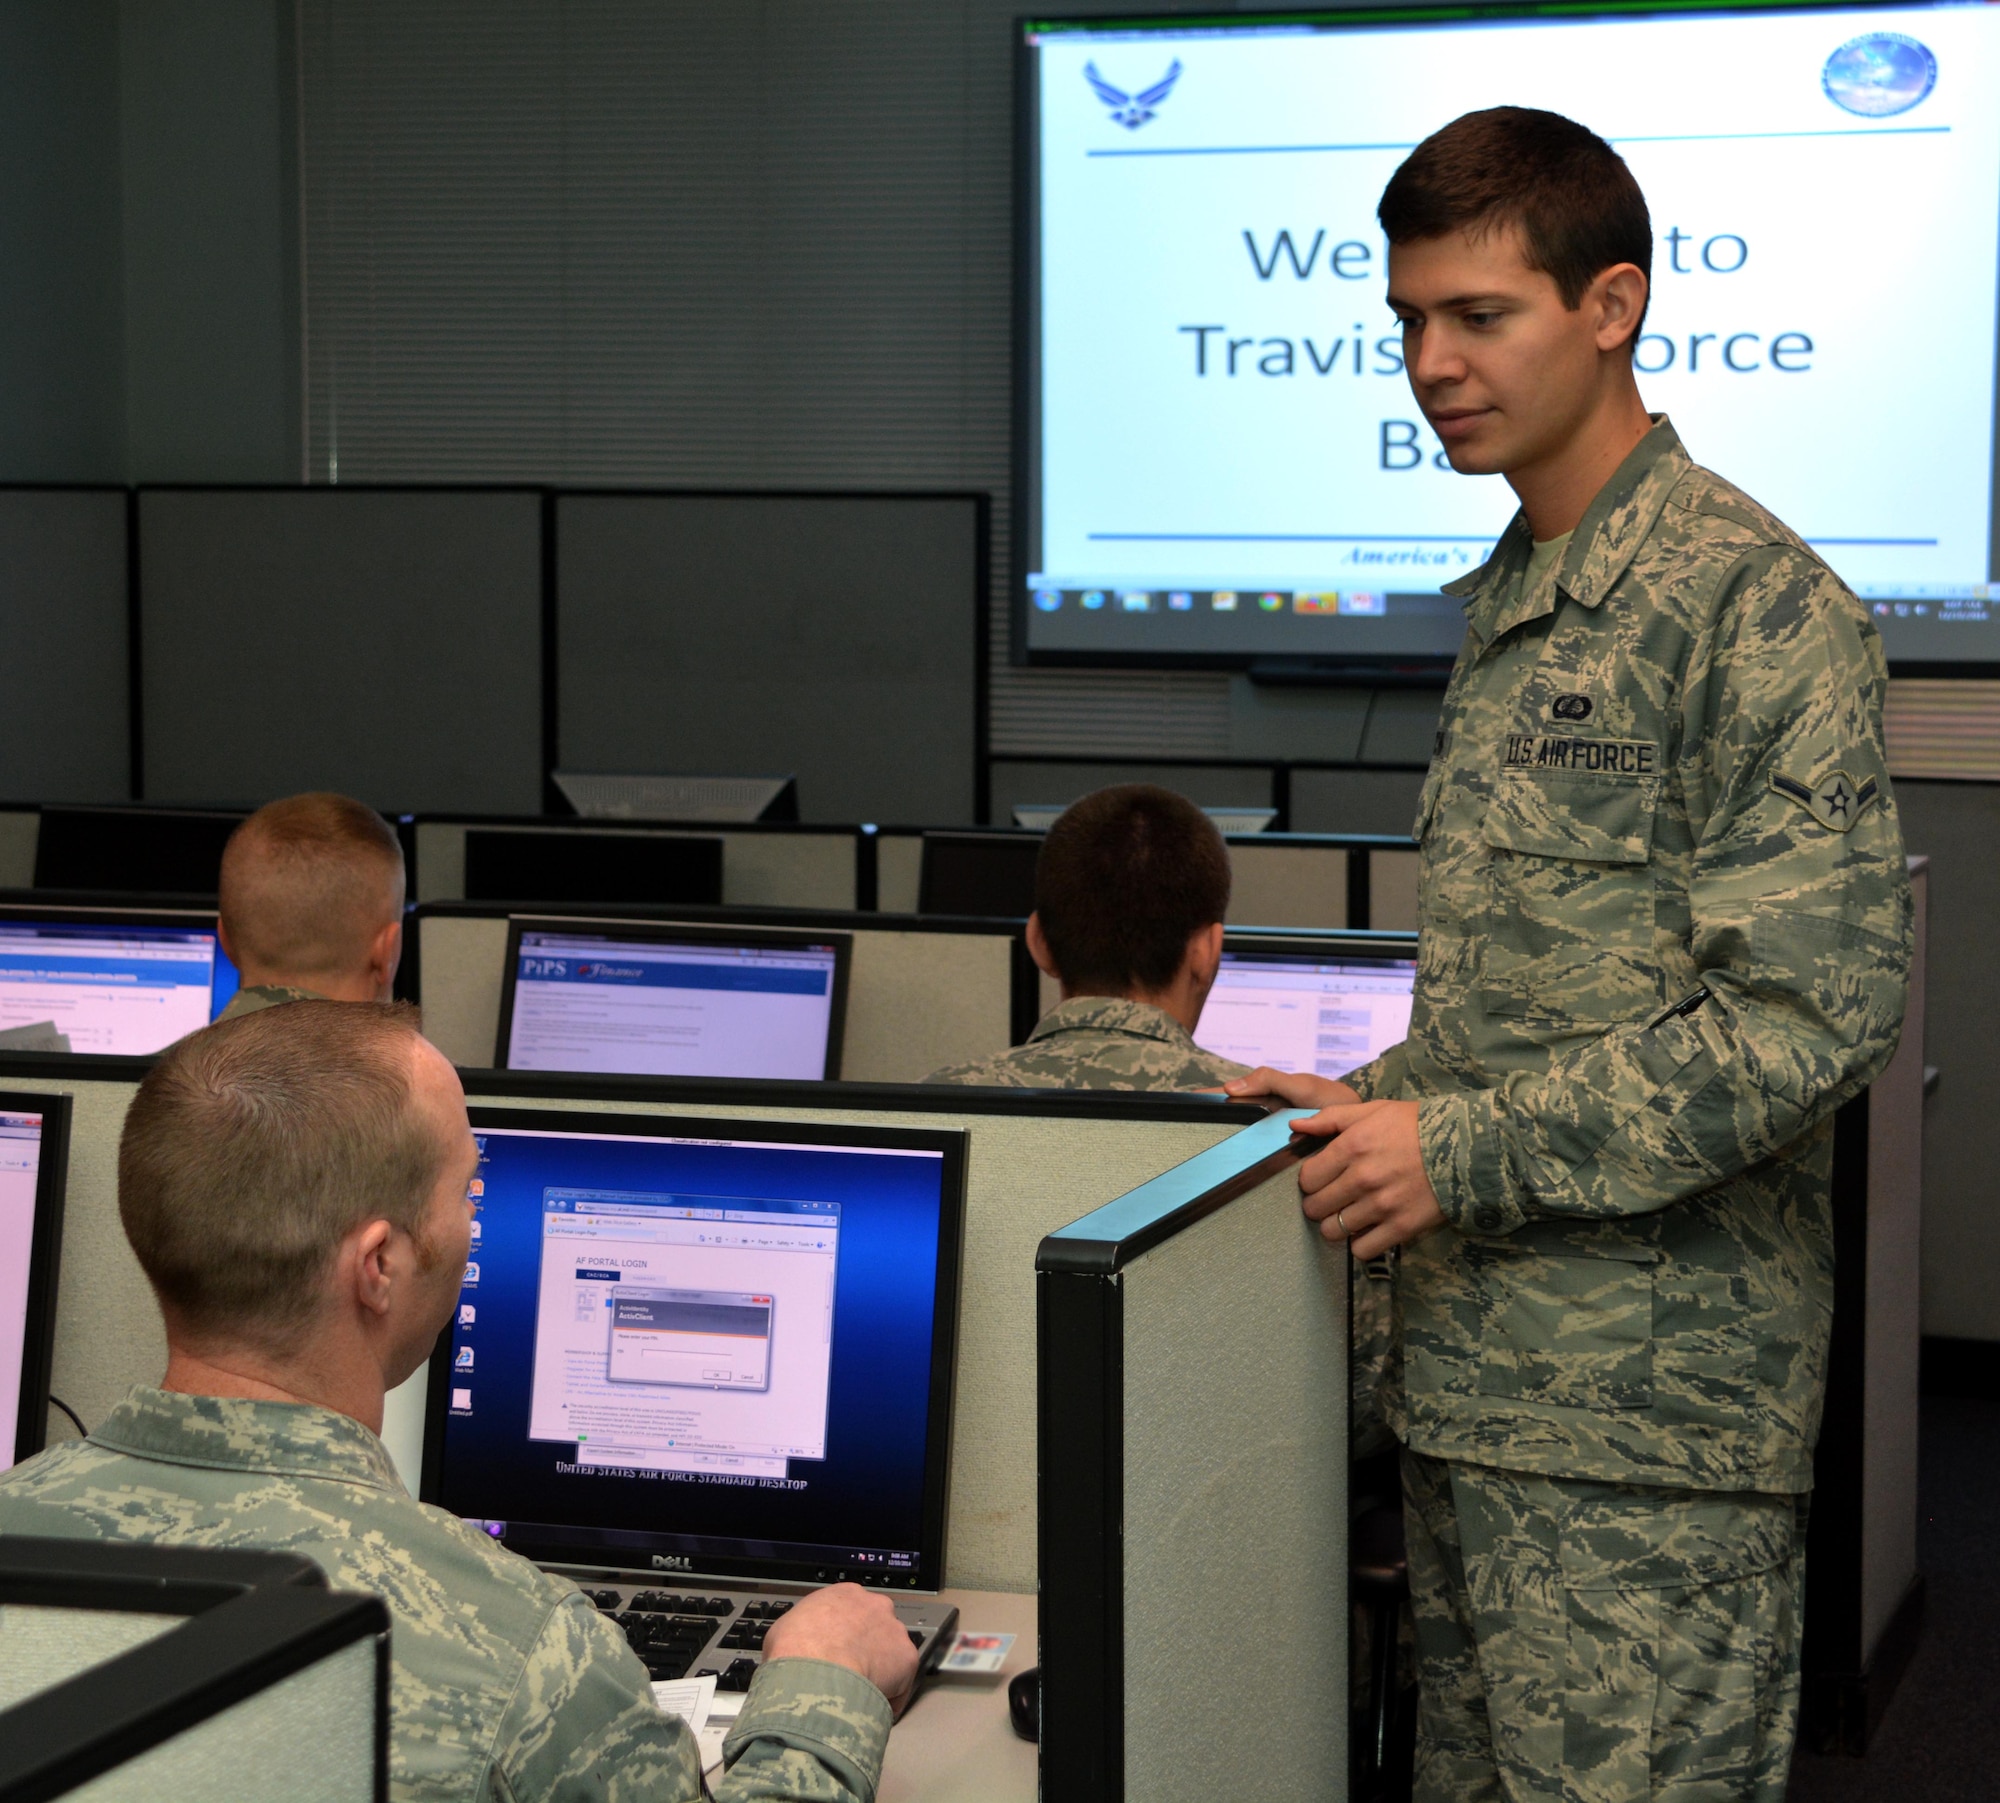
{"x":650,"y":933}
{"x":38,"y":1321}
{"x":56,"y":914}
{"x":953,"y":1143}
{"x":1333,"y":669}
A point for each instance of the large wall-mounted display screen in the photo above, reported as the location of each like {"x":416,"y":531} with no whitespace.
{"x":1222,"y":461}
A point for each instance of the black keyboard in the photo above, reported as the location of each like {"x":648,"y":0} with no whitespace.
{"x":678,"y":1636}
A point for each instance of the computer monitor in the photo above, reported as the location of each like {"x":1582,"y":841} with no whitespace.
{"x":1326,"y":1011}
{"x":573,"y":866}
{"x":157,"y":851}
{"x":128,"y":984}
{"x":715,"y":1346}
{"x":672,"y":1001}
{"x":34,"y":1173}
{"x":983,"y":874}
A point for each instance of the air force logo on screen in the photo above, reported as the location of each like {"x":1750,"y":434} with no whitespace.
{"x":1879,"y":74}
{"x":1132,"y":110}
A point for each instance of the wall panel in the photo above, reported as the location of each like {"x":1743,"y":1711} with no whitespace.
{"x":383,"y":643}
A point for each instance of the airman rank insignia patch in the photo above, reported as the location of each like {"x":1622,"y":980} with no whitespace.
{"x":1836,"y":801}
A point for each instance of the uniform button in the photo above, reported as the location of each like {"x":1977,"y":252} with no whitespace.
{"x":1486,"y":1216}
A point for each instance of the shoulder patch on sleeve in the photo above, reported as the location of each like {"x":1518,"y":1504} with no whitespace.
{"x":1836,"y":800}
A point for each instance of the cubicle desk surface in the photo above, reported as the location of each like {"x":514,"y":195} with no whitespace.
{"x":956,"y":1744}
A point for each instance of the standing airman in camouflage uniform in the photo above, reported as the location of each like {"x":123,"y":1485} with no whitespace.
{"x":1665,"y":932}
{"x":337,"y":1121}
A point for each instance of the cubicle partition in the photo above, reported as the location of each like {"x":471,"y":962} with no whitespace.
{"x":920,"y":994}
{"x":765,"y":864}
{"x":1278,"y":879}
{"x":1038,"y":1159}
{"x":1192,"y":1341}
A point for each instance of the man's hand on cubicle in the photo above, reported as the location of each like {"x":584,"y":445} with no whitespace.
{"x":1369,"y":1186}
{"x":1295,"y":1087}
{"x":847,"y":1625}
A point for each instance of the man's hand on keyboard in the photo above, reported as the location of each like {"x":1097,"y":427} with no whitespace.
{"x":847,"y":1625}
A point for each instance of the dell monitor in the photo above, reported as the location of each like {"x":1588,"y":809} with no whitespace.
{"x":125,"y":984}
{"x":705,"y":1346}
{"x":34,"y":1170}
{"x":1322,"y":1010}
{"x":672,"y":1001}
{"x":1222,"y":462}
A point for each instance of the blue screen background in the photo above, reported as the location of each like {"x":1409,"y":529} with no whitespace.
{"x":866,"y":1493}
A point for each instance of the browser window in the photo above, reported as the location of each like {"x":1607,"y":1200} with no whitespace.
{"x":1324,"y":1016}
{"x":20,"y":1170}
{"x":124,"y":989}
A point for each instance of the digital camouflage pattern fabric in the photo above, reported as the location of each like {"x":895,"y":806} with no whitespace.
{"x":1665,"y":932}
{"x":1100,"y":1042}
{"x":507,"y":1683}
{"x":1598,"y":1643}
{"x":265,"y":995}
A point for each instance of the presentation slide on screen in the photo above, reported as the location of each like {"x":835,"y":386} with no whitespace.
{"x":1227,"y":457}
{"x":684,"y":1333}
{"x":20,"y":1168}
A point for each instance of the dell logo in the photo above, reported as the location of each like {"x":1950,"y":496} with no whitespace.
{"x":668,"y":1562}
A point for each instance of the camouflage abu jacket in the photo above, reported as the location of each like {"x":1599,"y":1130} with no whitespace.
{"x":506,"y":1683}
{"x":1665,"y":932}
{"x":1100,"y":1042}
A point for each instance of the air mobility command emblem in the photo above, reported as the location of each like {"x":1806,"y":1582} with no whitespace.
{"x":1835,"y":801}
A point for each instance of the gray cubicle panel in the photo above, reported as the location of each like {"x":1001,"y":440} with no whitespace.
{"x":136,"y":1672}
{"x":764,"y":864}
{"x":1036,"y":1158}
{"x":387,"y":643}
{"x":838,"y":636}
{"x":20,"y":829}
{"x":921,"y":992}
{"x":65,"y":696}
{"x":1192,"y":1427}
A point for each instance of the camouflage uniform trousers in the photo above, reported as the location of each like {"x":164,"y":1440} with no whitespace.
{"x":1599,"y":1642}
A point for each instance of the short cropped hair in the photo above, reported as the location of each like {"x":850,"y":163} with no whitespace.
{"x":308,"y":882}
{"x":1125,"y":879}
{"x":256,"y":1145}
{"x":1576,"y":204}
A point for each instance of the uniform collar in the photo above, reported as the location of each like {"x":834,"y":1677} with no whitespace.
{"x":229,"y":1433}
{"x":1112,"y":1014}
{"x":1606,"y":539}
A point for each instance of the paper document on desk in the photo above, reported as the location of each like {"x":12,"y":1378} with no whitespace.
{"x":723,"y":1711}
{"x":977,"y":1653}
{"x":691,"y":1699}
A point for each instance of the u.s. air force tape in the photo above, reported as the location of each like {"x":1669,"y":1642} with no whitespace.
{"x":1561,"y":751}
{"x":1836,"y":801}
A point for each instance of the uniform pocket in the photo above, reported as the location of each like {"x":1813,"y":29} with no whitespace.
{"x":1569,"y":1332}
{"x":1569,"y":941}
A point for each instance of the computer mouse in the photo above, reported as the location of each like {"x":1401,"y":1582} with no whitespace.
{"x":1024,"y":1702}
